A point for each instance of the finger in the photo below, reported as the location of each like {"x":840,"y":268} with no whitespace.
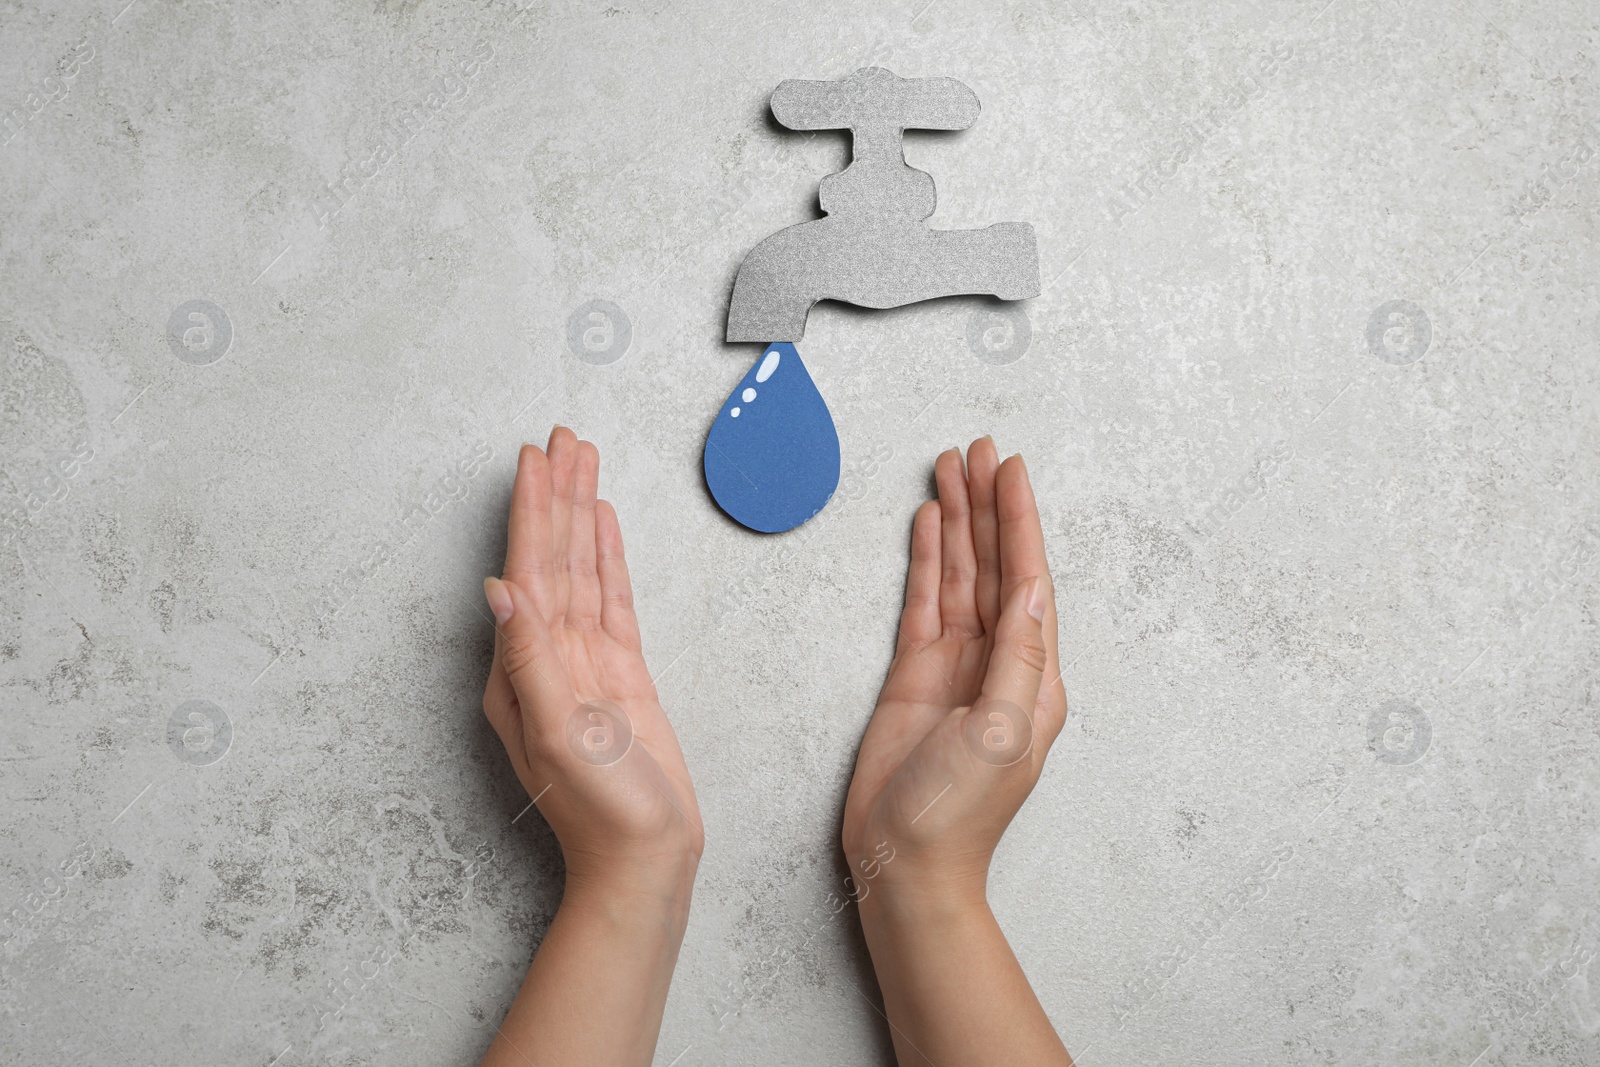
{"x":616,"y":591}
{"x":1017,"y":663}
{"x":526,"y":651}
{"x":919,"y":622}
{"x":982,"y":463}
{"x":958,"y":605}
{"x":1022,"y":557}
{"x":563,"y":465}
{"x":1021,"y":540}
{"x":583,"y":604}
{"x":528,"y":548}
{"x":500,"y":703}
{"x":1050,"y":713}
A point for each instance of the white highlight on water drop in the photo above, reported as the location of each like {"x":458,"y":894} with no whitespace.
{"x":768,"y":365}
{"x":749,"y":395}
{"x":734,"y":413}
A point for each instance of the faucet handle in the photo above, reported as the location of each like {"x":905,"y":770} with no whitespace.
{"x":875,"y":99}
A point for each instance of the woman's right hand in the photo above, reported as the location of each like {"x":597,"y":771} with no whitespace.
{"x":971,"y":706}
{"x":974,"y":698}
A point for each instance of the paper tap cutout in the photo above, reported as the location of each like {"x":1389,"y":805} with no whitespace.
{"x":772,"y":457}
{"x":875,"y":248}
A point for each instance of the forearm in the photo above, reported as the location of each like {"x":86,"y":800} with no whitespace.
{"x":598,"y":984}
{"x":952,"y":989}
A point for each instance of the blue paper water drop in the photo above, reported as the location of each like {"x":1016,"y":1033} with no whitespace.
{"x":772,"y":457}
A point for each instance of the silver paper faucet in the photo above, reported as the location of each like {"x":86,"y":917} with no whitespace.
{"x":875,"y":248}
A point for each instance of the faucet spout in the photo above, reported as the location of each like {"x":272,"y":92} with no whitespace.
{"x":875,"y":248}
{"x":874,"y":266}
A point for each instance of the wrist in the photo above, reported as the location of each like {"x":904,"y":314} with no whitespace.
{"x":923,"y":897}
{"x":938,"y":878}
{"x":652,"y":889}
{"x":901,"y":923}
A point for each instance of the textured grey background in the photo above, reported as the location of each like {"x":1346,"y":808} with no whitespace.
{"x":1269,"y":529}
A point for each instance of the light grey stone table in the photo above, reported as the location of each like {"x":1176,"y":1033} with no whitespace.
{"x":1309,"y":398}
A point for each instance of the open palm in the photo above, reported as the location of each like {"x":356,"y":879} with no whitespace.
{"x":973,"y":698}
{"x":569,"y":692}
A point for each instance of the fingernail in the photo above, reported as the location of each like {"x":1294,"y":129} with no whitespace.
{"x":1036,"y":599}
{"x":499,"y":597}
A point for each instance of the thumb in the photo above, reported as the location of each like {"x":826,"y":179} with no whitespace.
{"x":1016,"y":664}
{"x":526,"y":651}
